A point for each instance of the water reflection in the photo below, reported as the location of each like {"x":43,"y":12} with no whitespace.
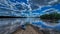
{"x":6,"y":21}
{"x":11,"y":24}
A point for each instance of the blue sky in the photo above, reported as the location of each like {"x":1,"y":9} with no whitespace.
{"x":57,"y":6}
{"x":25,"y":1}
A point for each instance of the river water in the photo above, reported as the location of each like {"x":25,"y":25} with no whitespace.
{"x":9,"y":25}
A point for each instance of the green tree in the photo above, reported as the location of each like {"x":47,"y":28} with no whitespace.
{"x":53,"y":17}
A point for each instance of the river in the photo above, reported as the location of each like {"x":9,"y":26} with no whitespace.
{"x":8,"y":25}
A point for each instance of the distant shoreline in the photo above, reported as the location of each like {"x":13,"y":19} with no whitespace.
{"x":11,"y":17}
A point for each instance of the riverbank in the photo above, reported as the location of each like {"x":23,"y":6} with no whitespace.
{"x":30,"y":29}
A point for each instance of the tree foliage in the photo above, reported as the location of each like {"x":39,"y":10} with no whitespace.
{"x":54,"y":16}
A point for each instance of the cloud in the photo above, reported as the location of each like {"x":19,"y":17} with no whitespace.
{"x":34,"y":4}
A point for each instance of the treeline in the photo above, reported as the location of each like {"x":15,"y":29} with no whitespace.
{"x":51,"y":16}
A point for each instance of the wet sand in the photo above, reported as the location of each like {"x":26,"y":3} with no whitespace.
{"x":29,"y":30}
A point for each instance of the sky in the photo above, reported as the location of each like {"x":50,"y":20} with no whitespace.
{"x":25,"y":1}
{"x":36,"y":11}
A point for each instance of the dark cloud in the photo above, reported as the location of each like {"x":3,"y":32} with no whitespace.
{"x":34,"y":7}
{"x":39,"y":2}
{"x":36,"y":3}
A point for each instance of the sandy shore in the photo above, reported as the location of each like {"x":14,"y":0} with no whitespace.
{"x":29,"y":30}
